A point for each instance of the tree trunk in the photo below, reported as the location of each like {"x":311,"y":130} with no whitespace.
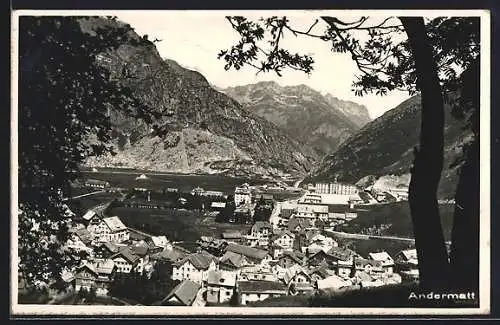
{"x":464,"y":257}
{"x":428,"y":163}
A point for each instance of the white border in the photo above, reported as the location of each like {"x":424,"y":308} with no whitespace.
{"x":484,"y":270}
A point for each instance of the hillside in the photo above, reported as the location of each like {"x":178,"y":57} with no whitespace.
{"x":200,"y":129}
{"x":385,"y":147}
{"x":322,"y":122}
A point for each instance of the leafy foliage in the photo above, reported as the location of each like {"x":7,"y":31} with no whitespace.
{"x":379,"y":48}
{"x":64,"y":97}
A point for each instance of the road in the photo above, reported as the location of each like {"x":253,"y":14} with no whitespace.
{"x":83,"y":195}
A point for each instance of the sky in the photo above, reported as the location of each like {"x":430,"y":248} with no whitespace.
{"x":194,"y":38}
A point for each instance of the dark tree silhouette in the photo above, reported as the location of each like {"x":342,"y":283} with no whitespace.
{"x":64,"y":96}
{"x":404,"y":53}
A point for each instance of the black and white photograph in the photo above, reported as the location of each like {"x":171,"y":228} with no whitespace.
{"x":250,"y":162}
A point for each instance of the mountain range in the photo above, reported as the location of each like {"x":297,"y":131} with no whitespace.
{"x":383,"y":150}
{"x":322,"y":122}
{"x":202,"y":130}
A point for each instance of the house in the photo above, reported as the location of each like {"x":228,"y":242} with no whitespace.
{"x":407,"y":257}
{"x":261,"y":232}
{"x":232,"y":262}
{"x":283,"y":239}
{"x":158,"y":243}
{"x":110,"y":229}
{"x":220,"y":286}
{"x":97,"y":275}
{"x":320,"y":272}
{"x":80,"y":240}
{"x":333,"y":282}
{"x":251,"y":291}
{"x":194,"y":267}
{"x":242,"y":195}
{"x":142,"y":250}
{"x":366,"y":280}
{"x":296,"y":273}
{"x":385,"y":259}
{"x":232,"y":235}
{"x":290,"y":258}
{"x":186,"y":293}
{"x":96,"y":183}
{"x":90,"y":217}
{"x":343,"y":260}
{"x":296,"y":225}
{"x":106,"y":250}
{"x":243,"y":214}
{"x":217,"y":206}
{"x":172,"y":254}
{"x":253,"y":255}
{"x":371,"y":267}
{"x":125,"y":260}
{"x":257,"y":272}
{"x":406,"y":264}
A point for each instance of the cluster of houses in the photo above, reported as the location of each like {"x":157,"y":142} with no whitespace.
{"x":271,"y":262}
{"x":289,"y":255}
{"x":106,"y":246}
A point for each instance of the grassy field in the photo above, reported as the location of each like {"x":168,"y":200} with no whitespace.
{"x":397,"y":215}
{"x":365,"y":246}
{"x":182,"y":226}
{"x":81,"y":205}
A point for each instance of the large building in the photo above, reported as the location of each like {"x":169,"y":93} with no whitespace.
{"x":242,"y":195}
{"x":336,"y":188}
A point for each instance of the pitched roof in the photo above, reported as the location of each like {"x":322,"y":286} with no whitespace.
{"x":201,"y":261}
{"x":286,"y":213}
{"x":362,"y":262}
{"x":221,"y":278}
{"x":260,"y":286}
{"x":110,"y":246}
{"x":322,"y":270}
{"x":140,"y":249}
{"x":89,"y":215}
{"x":231,"y":235}
{"x":172,"y":255}
{"x":127,"y":254}
{"x":105,"y":266}
{"x":341,"y":253}
{"x":279,"y":234}
{"x":159,"y":241}
{"x":294,"y":222}
{"x":258,"y":225}
{"x":247,"y":251}
{"x":114,"y":224}
{"x":383,"y":257}
{"x":294,"y":255}
{"x":332,"y":281}
{"x":292,"y":271}
{"x":234,"y":259}
{"x":84,"y":235}
{"x":218,"y":205}
{"x":363,"y":276}
{"x":185,"y":292}
{"x":409,"y":254}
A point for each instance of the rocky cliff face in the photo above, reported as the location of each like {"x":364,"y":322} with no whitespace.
{"x":200,"y":129}
{"x":384,"y":147}
{"x":322,"y":122}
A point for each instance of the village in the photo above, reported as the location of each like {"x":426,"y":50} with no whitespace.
{"x":287,"y":251}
